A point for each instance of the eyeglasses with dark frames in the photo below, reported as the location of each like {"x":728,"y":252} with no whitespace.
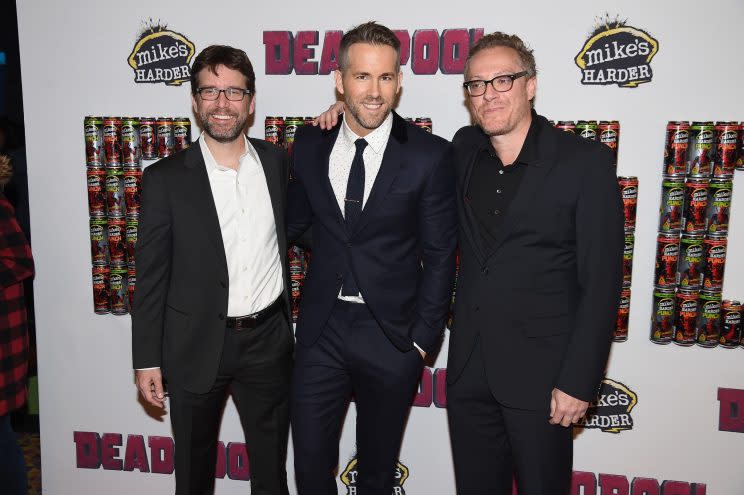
{"x":232,"y":94}
{"x":502,"y":83}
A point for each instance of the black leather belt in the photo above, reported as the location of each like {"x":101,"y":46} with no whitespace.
{"x":255,"y":319}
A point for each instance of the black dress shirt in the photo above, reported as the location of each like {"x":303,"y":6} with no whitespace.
{"x":493,"y":185}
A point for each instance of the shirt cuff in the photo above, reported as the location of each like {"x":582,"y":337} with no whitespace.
{"x":154,"y":368}
{"x":420,"y":349}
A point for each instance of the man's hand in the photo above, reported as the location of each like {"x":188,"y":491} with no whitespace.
{"x":564,"y":409}
{"x":329,"y":118}
{"x":150,"y":385}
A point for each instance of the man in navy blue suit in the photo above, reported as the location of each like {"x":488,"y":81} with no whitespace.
{"x":378,"y":195}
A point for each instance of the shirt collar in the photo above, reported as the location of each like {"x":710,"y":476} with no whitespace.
{"x":377,"y":139}
{"x":212,"y":164}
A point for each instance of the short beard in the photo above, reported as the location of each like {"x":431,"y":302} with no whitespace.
{"x":228,"y":137}
{"x":353,"y":109}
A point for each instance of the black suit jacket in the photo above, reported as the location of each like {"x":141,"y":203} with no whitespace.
{"x":401,"y":250}
{"x":543,"y":301}
{"x":180,"y":302}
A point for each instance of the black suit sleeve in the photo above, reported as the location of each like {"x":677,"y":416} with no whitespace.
{"x":438,"y":239}
{"x":299,"y":211}
{"x":152,"y":270}
{"x":599,"y":246}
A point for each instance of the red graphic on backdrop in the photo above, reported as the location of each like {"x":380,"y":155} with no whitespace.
{"x":108,"y":451}
{"x":731,"y":414}
{"x":427,"y":50}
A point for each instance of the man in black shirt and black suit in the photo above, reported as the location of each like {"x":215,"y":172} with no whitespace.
{"x":541,"y":240}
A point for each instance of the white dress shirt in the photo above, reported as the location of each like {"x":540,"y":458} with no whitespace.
{"x":248,"y":231}
{"x":339,"y":166}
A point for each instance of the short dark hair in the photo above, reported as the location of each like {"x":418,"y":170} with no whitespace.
{"x":492,"y":40}
{"x":232,"y":58}
{"x":370,"y":33}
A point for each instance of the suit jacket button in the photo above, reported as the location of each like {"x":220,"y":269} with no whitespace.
{"x":485,"y":270}
{"x":348,"y":244}
{"x":339,"y":276}
{"x":221,"y":316}
{"x":477,"y":308}
{"x":223,"y":284}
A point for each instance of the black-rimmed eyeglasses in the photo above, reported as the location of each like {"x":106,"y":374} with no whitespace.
{"x":502,"y":83}
{"x":232,"y":94}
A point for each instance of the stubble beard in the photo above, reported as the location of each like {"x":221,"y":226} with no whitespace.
{"x":370,"y":124}
{"x":227,"y":136}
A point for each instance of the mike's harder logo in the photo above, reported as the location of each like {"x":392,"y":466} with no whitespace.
{"x":617,"y":53}
{"x":350,"y":477}
{"x":161,"y":55}
{"x":610,"y":412}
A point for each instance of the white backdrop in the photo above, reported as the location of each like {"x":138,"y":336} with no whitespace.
{"x":73,"y":58}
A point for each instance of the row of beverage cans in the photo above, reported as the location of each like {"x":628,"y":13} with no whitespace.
{"x":690,"y":261}
{"x":694,"y":205}
{"x":703,"y":149}
{"x":112,"y":242}
{"x":688,"y":316}
{"x":123,"y":142}
{"x":113,"y":290}
{"x":114,"y":193}
{"x":605,"y":131}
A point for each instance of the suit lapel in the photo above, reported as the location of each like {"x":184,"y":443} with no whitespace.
{"x":272,"y":171}
{"x":392,"y":161}
{"x":205,"y":212}
{"x":470,"y":223}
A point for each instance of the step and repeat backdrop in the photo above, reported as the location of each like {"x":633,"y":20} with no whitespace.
{"x":106,"y":93}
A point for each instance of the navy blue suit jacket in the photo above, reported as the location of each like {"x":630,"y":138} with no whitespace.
{"x":401,"y":250}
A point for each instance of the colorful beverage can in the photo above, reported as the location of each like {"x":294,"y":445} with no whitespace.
{"x":696,"y":206}
{"x":166,"y":145}
{"x":101,"y":275}
{"x":117,"y":242}
{"x":115,"y":204}
{"x":149,"y":138}
{"x":96,"y":192}
{"x":686,"y":314}
{"x":93,"y":130}
{"x":623,"y":314}
{"x":424,"y":123}
{"x":567,"y":126}
{"x":181,"y":133}
{"x":715,"y":261}
{"x":629,"y":193}
{"x":99,"y":250}
{"x":667,"y":257}
{"x":672,"y":204}
{"x":130,"y":142}
{"x":132,"y":191}
{"x":727,"y":147}
{"x":609,"y":135}
{"x":112,"y":141}
{"x":719,"y":205}
{"x":662,"y":318}
{"x":740,"y":158}
{"x":676,"y":148}
{"x":628,"y":258}
{"x":119,"y":291}
{"x":274,"y":130}
{"x":731,"y":332}
{"x":587,"y":129}
{"x":296,"y":278}
{"x":290,"y":128}
{"x":131,"y":282}
{"x":708,"y":328}
{"x":130,"y":239}
{"x":691,"y":261}
{"x":702,"y":149}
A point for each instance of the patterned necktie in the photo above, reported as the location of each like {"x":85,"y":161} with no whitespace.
{"x":353,"y":206}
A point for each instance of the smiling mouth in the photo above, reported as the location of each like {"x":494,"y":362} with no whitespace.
{"x":372,"y":106}
{"x":223,"y":118}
